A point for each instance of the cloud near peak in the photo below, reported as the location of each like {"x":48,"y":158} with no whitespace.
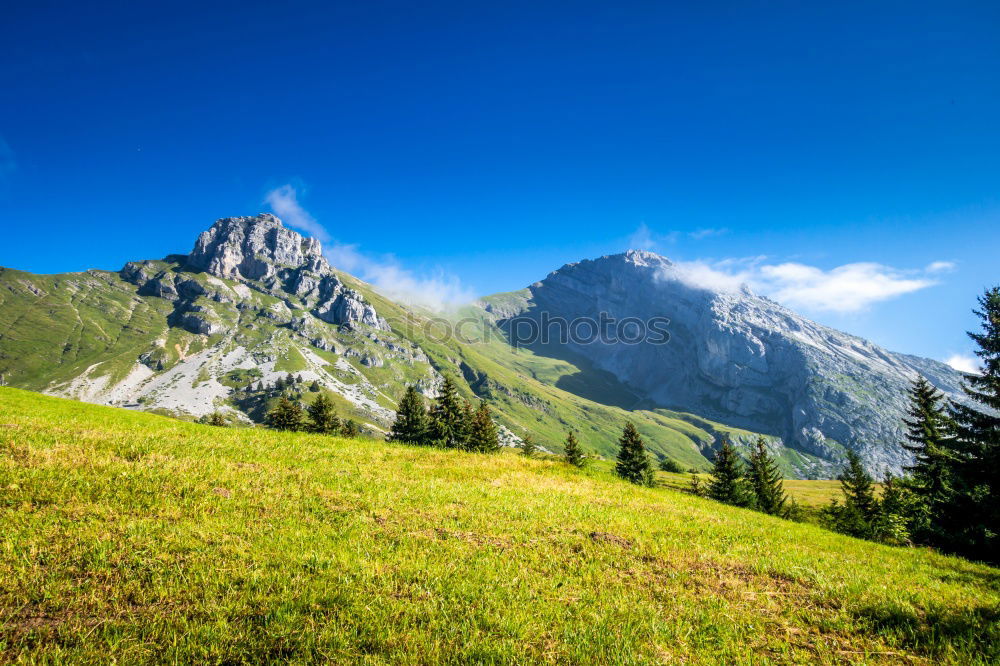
{"x":848,"y":288}
{"x":439,"y":291}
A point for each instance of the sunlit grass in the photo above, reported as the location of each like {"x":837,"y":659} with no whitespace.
{"x":153,"y":540}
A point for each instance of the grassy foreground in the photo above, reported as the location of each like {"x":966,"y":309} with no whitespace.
{"x":144,"y":539}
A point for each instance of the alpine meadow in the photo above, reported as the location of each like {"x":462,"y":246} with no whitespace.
{"x":520,"y":333}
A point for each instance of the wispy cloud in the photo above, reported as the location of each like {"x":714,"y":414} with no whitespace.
{"x":940,"y":267}
{"x":284,"y":202}
{"x":964,"y":363}
{"x":700,"y":234}
{"x":439,"y":291}
{"x":844,"y":289}
{"x":645,"y":238}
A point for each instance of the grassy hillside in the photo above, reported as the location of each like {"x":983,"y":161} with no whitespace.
{"x":156,"y":540}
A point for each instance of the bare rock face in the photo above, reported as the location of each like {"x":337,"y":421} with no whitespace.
{"x":259,"y":253}
{"x":742,"y":359}
{"x":254,"y":248}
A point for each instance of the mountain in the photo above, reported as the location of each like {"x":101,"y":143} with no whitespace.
{"x":254,"y":302}
{"x":732,"y":356}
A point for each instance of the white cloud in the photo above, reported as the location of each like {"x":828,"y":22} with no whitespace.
{"x":641,"y":238}
{"x":700,"y":234}
{"x":964,"y":363}
{"x":439,"y":291}
{"x":940,"y":266}
{"x":848,"y":288}
{"x":285,"y":203}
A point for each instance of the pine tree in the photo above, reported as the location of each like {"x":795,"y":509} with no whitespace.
{"x":928,"y":435}
{"x":765,"y":480}
{"x":573,"y":452}
{"x":216,"y":419}
{"x":298,"y":379}
{"x":973,"y":510}
{"x":314,"y":387}
{"x":448,"y":426}
{"x":727,"y":484}
{"x":858,"y":487}
{"x":286,"y":415}
{"x":528,"y":446}
{"x":633,"y":462}
{"x":349,"y":428}
{"x":483,"y":431}
{"x":323,"y":419}
{"x":464,"y":431}
{"x":412,"y":422}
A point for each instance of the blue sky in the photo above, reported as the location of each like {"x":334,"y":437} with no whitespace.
{"x":843,"y":159}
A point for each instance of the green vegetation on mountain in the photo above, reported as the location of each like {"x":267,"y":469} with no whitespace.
{"x":156,"y":540}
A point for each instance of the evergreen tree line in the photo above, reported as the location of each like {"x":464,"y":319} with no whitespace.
{"x":450,"y":422}
{"x":756,"y":484}
{"x":949,"y":498}
{"x":320,"y":417}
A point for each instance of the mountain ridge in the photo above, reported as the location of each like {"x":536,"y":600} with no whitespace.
{"x":253,"y":301}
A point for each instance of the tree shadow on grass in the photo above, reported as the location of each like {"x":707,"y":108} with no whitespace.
{"x":974,"y":630}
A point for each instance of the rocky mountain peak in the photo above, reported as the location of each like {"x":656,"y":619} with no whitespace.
{"x":254,"y":248}
{"x":270,"y":258}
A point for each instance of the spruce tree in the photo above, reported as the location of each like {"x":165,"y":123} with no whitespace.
{"x":216,"y":419}
{"x":633,"y":462}
{"x":349,"y":428}
{"x":447,"y":417}
{"x":412,"y":422}
{"x":858,"y":487}
{"x":973,"y":510}
{"x":322,"y":417}
{"x":286,"y":415}
{"x":928,"y":435}
{"x":859,"y":515}
{"x":573,"y":452}
{"x":482,"y":436}
{"x":314,"y":387}
{"x":465,"y":425}
{"x":765,"y":480}
{"x":727,"y":484}
{"x":528,"y":446}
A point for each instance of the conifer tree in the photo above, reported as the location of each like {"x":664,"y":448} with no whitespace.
{"x":412,"y":422}
{"x":322,"y":417}
{"x":483,"y":431}
{"x":765,"y":480}
{"x":447,"y":416}
{"x":973,"y":511}
{"x":727,"y":484}
{"x":858,"y":487}
{"x":528,"y":446}
{"x":573,"y":452}
{"x":633,"y":462}
{"x":464,"y":433}
{"x":928,"y":435}
{"x":349,"y":428}
{"x":314,"y":387}
{"x":286,"y":415}
{"x":216,"y":419}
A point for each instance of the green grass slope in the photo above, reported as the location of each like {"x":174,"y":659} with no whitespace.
{"x":146,"y":539}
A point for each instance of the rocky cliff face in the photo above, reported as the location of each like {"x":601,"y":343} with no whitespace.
{"x":261,"y":253}
{"x":742,"y":359}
